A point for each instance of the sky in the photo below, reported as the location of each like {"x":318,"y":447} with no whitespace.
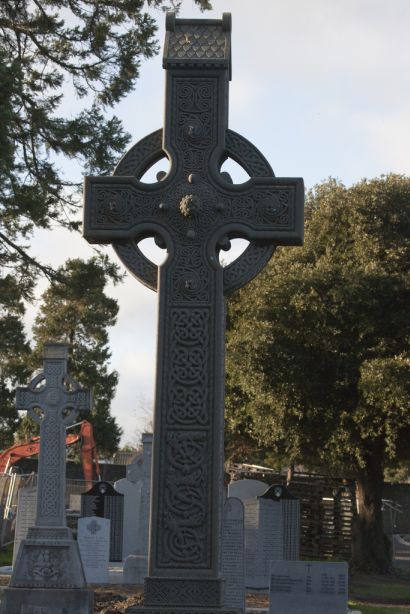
{"x":321,"y":87}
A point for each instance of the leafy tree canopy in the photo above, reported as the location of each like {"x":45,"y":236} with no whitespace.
{"x":50,"y":49}
{"x":97,"y":47}
{"x":76,"y":310}
{"x":318,"y":359}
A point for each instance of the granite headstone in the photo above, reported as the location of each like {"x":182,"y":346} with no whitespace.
{"x":132,"y":504}
{"x":263,"y":539}
{"x":26,"y":515}
{"x":247,"y":489}
{"x":233,"y":553}
{"x":136,"y":563}
{"x":104,"y":501}
{"x":281,"y":496}
{"x":308,"y":587}
{"x":93,"y":536}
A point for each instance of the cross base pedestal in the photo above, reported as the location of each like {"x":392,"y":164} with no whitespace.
{"x":48,"y":576}
{"x":177,"y":610}
{"x":184,"y":592}
{"x":47,"y":601}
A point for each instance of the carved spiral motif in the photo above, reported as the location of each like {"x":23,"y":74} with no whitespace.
{"x":184,"y":545}
{"x":184,"y":512}
{"x":114,"y":206}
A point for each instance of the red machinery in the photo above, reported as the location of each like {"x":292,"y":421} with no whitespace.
{"x":30,"y":448}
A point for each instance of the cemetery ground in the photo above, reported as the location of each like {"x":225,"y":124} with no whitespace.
{"x":369,"y":594}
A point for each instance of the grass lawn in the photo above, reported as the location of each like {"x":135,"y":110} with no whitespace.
{"x":378,"y":609}
{"x":380,"y":588}
{"x":6,"y":555}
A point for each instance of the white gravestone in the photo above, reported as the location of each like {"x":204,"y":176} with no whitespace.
{"x":136,"y":564}
{"x":263,"y":539}
{"x":308,"y":587}
{"x":143,"y":519}
{"x":247,"y":489}
{"x":132,"y":503}
{"x":233,"y":554}
{"x":93,"y":538}
{"x":290,"y":528}
{"x":26,"y":516}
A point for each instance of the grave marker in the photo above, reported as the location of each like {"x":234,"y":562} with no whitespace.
{"x":308,"y":587}
{"x":48,"y":572}
{"x":93,"y":536}
{"x":263,"y":540}
{"x":233,"y":554}
{"x":26,"y":516}
{"x":136,"y":563}
{"x":132,"y":503}
{"x":193,"y":211}
{"x":290,"y":527}
{"x":104,"y":501}
{"x":247,"y":489}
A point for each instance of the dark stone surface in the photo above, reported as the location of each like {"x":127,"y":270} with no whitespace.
{"x":104,"y":501}
{"x":193,"y":212}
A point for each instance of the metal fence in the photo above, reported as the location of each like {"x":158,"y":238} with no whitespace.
{"x":9,"y":488}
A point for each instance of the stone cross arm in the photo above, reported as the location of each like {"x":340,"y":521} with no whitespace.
{"x":118,"y":208}
{"x":53,"y":389}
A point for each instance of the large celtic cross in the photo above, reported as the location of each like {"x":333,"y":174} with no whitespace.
{"x":52,"y":399}
{"x":193,"y":212}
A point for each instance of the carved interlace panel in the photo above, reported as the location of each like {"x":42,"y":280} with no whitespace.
{"x":193,"y":212}
{"x":59,"y":407}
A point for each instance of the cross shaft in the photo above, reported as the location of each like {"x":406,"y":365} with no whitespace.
{"x":194,"y":211}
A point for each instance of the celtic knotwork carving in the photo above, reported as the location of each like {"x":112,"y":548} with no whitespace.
{"x":144,"y":153}
{"x":135,"y":261}
{"x":44,"y":534}
{"x":189,"y":365}
{"x":50,"y":500}
{"x":165,"y":592}
{"x":45,"y":565}
{"x":247,"y":155}
{"x":184,"y":511}
{"x":114,"y":206}
{"x":188,"y":374}
{"x":188,"y":405}
{"x":196,"y":124}
{"x":190,"y":325}
{"x":247,"y":266}
{"x":149,"y":150}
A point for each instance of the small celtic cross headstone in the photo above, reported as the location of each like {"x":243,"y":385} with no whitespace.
{"x":48,"y":559}
{"x":53,"y":399}
{"x":193,"y":212}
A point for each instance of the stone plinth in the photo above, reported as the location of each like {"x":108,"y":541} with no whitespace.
{"x":47,"y":567}
{"x":47,"y":601}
